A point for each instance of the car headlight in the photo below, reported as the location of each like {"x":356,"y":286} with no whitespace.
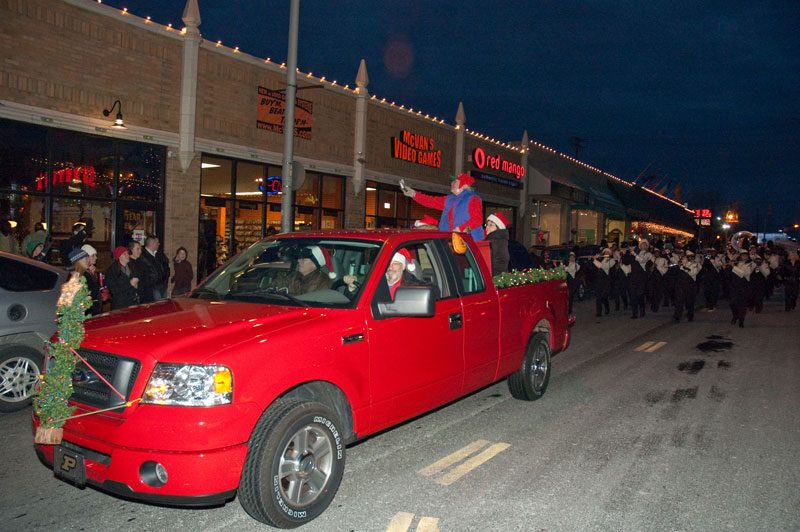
{"x":189,"y":385}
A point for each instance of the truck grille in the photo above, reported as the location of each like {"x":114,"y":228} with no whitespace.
{"x":89,"y":389}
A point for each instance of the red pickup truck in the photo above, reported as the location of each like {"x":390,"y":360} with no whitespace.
{"x":255,"y":384}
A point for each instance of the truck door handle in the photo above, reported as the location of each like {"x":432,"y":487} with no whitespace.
{"x":455,"y":321}
{"x":353,"y":338}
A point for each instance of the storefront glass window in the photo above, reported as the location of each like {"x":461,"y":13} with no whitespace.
{"x":82,"y":165}
{"x":584,"y":227}
{"x":215,"y":177}
{"x":23,"y":162}
{"x":308,"y":194}
{"x":247,"y":230}
{"x":66,"y":211}
{"x":332,"y":192}
{"x":249,"y":181}
{"x":140,"y":171}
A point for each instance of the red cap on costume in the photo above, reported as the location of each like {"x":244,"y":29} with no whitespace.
{"x":465,"y":180}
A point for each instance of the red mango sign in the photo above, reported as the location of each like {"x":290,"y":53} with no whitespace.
{"x":481,"y":160}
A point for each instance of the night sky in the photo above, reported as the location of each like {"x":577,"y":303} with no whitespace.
{"x":702,"y":94}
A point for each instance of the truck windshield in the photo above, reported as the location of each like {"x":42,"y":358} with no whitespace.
{"x":314,"y":272}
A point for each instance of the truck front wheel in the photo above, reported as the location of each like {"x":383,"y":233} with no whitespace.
{"x":530,"y":381}
{"x":294,"y":464}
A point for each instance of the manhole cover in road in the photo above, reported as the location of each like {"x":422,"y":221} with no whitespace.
{"x":715,"y":344}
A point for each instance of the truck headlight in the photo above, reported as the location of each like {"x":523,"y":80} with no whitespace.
{"x":189,"y":385}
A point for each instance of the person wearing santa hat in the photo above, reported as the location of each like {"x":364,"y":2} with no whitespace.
{"x":462,"y":209}
{"x":497,"y":235}
{"x":313,"y":271}
{"x":396,"y":272}
{"x":427,"y":222}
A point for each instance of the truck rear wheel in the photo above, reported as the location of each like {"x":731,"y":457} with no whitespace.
{"x":20,"y":367}
{"x":530,"y":381}
{"x":294,"y":464}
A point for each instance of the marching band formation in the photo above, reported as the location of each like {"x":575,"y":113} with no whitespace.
{"x":664,"y":274}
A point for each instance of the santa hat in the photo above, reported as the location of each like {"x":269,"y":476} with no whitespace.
{"x":644,"y":244}
{"x":427,"y":220}
{"x":463,"y":179}
{"x":499,"y":220}
{"x":321,"y":258}
{"x":404,"y":257}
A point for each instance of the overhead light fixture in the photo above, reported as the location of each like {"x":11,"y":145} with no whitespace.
{"x":209,"y":165}
{"x":118,"y":122}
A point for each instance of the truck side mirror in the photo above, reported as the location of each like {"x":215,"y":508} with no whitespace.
{"x":413,"y":302}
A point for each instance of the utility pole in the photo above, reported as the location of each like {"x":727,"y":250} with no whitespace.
{"x":577,"y":142}
{"x":287,"y":197}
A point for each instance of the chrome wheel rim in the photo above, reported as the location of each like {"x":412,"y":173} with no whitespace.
{"x":539,"y":367}
{"x":305,"y":466}
{"x":18,"y":379}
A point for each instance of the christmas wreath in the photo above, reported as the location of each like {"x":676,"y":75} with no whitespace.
{"x":530,"y":276}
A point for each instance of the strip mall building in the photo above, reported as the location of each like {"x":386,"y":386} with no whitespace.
{"x":200,"y":161}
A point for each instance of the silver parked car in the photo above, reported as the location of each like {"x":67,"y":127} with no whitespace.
{"x":29,"y":292}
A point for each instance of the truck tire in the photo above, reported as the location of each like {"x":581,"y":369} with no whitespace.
{"x":530,"y":381}
{"x":20,"y":366}
{"x":294,"y":464}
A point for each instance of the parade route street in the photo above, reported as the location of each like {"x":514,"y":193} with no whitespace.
{"x":647,"y":425}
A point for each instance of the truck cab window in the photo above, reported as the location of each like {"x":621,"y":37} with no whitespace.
{"x":468,"y":273}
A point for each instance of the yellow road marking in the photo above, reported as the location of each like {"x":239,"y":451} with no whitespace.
{"x":452,"y":458}
{"x":644,"y":346}
{"x":400,"y":522}
{"x":428,"y":524}
{"x":472,"y":463}
{"x":659,"y":345}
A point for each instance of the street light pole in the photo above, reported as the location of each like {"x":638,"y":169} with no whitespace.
{"x":287,"y":197}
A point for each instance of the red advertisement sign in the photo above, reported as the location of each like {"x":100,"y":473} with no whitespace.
{"x":272,"y":110}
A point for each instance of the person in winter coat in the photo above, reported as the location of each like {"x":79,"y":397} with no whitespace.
{"x":790,"y":278}
{"x":619,"y":281}
{"x":603,"y":263}
{"x":153,"y":267}
{"x":758,"y":284}
{"x":656,"y":282}
{"x":740,"y":295}
{"x":686,"y":287}
{"x":497,"y":235}
{"x":182,"y":278}
{"x":122,"y":280}
{"x":93,"y":282}
{"x":80,"y":233}
{"x":572,"y":268}
{"x":462,"y":209}
{"x":635,"y":267}
{"x":711,"y":278}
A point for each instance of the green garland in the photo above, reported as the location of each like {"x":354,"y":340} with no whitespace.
{"x":51,"y":399}
{"x":533,"y":275}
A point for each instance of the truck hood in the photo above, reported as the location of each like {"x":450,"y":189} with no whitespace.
{"x":189,"y":330}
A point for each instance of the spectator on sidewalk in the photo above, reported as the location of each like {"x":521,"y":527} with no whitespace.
{"x":182,"y":278}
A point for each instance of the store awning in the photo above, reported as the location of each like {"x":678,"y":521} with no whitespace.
{"x":646,"y":206}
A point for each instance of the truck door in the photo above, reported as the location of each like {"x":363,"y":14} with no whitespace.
{"x":481,"y":317}
{"x":416,"y":364}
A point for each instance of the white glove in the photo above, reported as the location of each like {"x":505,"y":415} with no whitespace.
{"x":407,"y":190}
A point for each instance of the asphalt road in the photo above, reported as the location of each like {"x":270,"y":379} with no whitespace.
{"x":646,"y":426}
